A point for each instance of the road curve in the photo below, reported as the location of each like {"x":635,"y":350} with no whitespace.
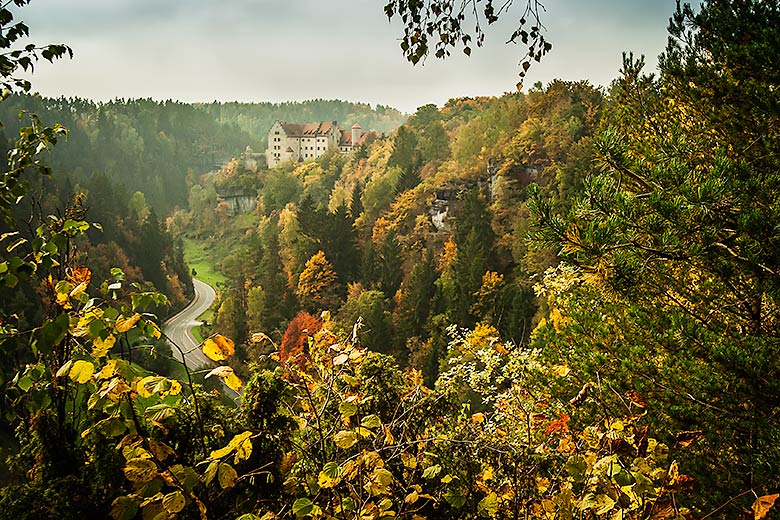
{"x":178,"y":328}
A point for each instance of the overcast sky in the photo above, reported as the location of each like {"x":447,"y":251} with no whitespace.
{"x":291,"y":50}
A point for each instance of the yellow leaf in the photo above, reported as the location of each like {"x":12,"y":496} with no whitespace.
{"x":561,"y":370}
{"x":501,"y":349}
{"x":175,"y":388}
{"x":478,"y":417}
{"x":64,"y":301}
{"x":100,"y":347}
{"x":219,"y":348}
{"x":487,"y":474}
{"x":763,"y":504}
{"x":108,"y":370}
{"x":220,"y":453}
{"x":124,"y":324}
{"x":233,"y":382}
{"x":163,"y":386}
{"x":566,"y":445}
{"x":389,"y":439}
{"x":330,"y":475}
{"x":228,"y":377}
{"x":364,"y":432}
{"x":156,"y":333}
{"x":82,"y":371}
{"x":243,"y":447}
{"x":672,"y":474}
{"x":383,"y":479}
{"x":408,"y":460}
{"x":80,"y":288}
{"x":143,"y":386}
{"x":241,"y":443}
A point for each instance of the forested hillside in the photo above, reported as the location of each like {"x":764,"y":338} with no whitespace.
{"x":417,"y":231}
{"x":161,"y":148}
{"x":556,"y":304}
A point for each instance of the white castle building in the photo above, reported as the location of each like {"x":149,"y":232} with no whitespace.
{"x":299,"y":142}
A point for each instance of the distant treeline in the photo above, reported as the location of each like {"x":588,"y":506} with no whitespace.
{"x":152,"y":147}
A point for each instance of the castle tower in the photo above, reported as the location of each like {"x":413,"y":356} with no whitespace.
{"x":356,"y":133}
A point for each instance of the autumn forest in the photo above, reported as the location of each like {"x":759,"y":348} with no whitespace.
{"x":562,"y":302}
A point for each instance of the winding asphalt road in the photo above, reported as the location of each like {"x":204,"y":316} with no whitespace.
{"x":179,"y":328}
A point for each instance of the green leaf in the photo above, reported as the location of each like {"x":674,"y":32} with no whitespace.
{"x":431,"y":471}
{"x":140,"y":470}
{"x":186,"y":475}
{"x":174,"y":502}
{"x":351,"y":380}
{"x":455,"y":497}
{"x":74,"y":227}
{"x":345,"y":439}
{"x":604,"y":504}
{"x":211,"y":472}
{"x":330,"y":475}
{"x":226,"y":476}
{"x":348,"y":504}
{"x":488,"y":506}
{"x":577,"y":467}
{"x":24,"y":383}
{"x":371,"y":421}
{"x":383,"y":477}
{"x":124,"y":508}
{"x":53,"y":332}
{"x":347,"y":409}
{"x":302,"y":507}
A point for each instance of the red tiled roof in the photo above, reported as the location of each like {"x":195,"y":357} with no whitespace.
{"x":323,"y":128}
{"x":346,"y":138}
{"x":292,"y":129}
{"x":306,"y":130}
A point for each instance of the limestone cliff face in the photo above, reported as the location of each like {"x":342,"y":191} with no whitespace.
{"x":239,"y":203}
